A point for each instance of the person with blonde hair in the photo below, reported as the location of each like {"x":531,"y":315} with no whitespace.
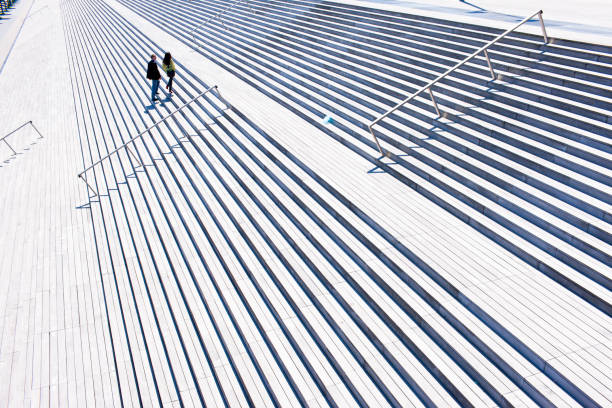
{"x":170,"y":69}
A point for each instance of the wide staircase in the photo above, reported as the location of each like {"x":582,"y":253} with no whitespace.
{"x":234,"y":274}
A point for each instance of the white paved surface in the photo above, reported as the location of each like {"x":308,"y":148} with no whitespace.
{"x":53,"y":335}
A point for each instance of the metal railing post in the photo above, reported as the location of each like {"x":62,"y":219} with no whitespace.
{"x":195,"y":42}
{"x":227,"y":105}
{"x":434,"y":101}
{"x":88,"y":185}
{"x":39,"y":134}
{"x":376,"y":140}
{"x":543,"y":27}
{"x":486,"y":53}
{"x":133,"y":155}
{"x":9,"y":146}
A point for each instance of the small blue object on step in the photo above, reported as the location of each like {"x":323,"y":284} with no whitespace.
{"x":327,"y":120}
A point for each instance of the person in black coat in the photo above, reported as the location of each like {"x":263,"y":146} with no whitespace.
{"x":154,"y":75}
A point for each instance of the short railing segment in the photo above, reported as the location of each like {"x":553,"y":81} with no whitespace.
{"x":429,"y":85}
{"x":82,"y":175}
{"x":19,"y":128}
{"x":219,"y":16}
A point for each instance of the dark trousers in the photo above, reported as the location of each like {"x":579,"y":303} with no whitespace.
{"x":171,"y":75}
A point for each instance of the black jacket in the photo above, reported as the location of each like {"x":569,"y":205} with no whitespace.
{"x":152,"y":71}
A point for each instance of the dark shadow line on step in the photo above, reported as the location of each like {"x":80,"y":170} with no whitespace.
{"x":377,"y":169}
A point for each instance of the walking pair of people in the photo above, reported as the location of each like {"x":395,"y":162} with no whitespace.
{"x":154,"y":75}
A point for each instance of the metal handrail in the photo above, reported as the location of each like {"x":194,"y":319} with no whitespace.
{"x":132,"y":140}
{"x":218,"y":15}
{"x":20,"y":127}
{"x":428,"y":86}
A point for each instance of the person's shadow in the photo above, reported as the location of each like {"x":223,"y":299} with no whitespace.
{"x":161,"y":103}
